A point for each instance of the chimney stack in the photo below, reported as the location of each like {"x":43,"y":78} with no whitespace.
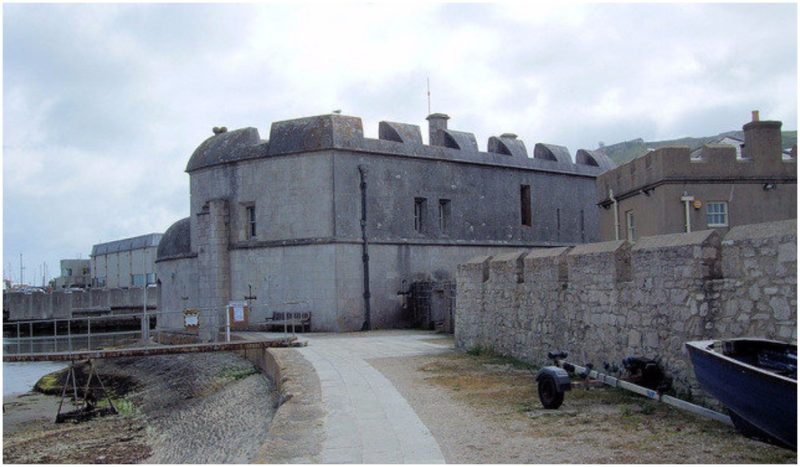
{"x":436,"y":122}
{"x":762,"y":140}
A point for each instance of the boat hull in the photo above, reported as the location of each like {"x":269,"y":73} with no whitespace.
{"x":761,"y":403}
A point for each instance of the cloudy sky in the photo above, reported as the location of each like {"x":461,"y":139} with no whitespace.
{"x":103,"y":105}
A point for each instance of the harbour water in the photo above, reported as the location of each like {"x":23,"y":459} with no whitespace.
{"x":19,"y":378}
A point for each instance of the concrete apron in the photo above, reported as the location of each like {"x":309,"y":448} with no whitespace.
{"x":368,"y":421}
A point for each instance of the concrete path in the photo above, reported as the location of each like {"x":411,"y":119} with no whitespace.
{"x":367,"y":420}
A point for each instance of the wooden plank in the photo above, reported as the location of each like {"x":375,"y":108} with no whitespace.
{"x":147,"y":351}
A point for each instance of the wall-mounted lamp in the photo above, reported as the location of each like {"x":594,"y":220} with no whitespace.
{"x":770,"y":186}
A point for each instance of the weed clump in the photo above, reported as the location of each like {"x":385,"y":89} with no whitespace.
{"x":237,"y":373}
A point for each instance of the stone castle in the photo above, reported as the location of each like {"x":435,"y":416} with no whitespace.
{"x":343,"y":224}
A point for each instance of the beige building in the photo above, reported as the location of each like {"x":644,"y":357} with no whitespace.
{"x":669,"y":191}
{"x":74,"y":273}
{"x":125,"y":263}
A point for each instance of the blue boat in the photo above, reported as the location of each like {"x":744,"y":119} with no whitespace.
{"x":756,"y":379}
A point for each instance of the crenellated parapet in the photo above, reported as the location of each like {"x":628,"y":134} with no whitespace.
{"x":507,"y":144}
{"x":341,"y":132}
{"x":761,"y":161}
{"x":606,"y":301}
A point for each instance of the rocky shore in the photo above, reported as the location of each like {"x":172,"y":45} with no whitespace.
{"x":194,"y":408}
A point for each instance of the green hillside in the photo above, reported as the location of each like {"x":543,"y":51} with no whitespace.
{"x":628,"y":150}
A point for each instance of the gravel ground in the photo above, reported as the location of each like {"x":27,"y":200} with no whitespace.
{"x":193,"y":408}
{"x":485,"y":410}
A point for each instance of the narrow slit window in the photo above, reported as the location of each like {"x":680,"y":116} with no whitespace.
{"x":419,"y":214}
{"x":583,"y":230}
{"x":558,"y":223}
{"x":444,"y":215}
{"x":631,"y":221}
{"x":525,"y":204}
{"x":251,"y":221}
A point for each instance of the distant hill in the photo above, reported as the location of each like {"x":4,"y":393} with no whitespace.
{"x":628,"y":150}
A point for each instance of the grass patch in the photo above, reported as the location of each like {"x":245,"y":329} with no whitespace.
{"x":52,"y":383}
{"x":126,"y":408}
{"x":623,"y":427}
{"x":491,"y":357}
{"x":117,"y":387}
{"x":237,"y":373}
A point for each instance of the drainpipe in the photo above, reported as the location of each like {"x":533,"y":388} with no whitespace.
{"x":362,"y":172}
{"x":686,"y":200}
{"x":616,"y":213}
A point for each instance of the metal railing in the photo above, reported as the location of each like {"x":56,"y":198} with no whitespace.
{"x":93,"y":332}
{"x":291,"y":317}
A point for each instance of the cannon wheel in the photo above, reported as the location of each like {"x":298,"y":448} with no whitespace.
{"x":549,"y":395}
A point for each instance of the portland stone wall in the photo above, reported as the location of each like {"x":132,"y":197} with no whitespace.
{"x":601,"y":302}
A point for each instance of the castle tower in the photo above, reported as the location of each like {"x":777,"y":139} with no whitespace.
{"x":213,"y":261}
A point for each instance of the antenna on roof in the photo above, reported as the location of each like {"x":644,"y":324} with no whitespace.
{"x":429,"y":95}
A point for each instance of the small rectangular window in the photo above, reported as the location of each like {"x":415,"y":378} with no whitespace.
{"x":525,"y":204}
{"x":137,"y":280}
{"x":419,"y":214}
{"x":717,"y":214}
{"x":630,"y":220}
{"x":444,"y":215}
{"x":250,"y":215}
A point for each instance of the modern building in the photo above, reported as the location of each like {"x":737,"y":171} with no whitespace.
{"x":344,"y":225}
{"x":74,"y":273}
{"x":129,"y":262}
{"x":671,"y":190}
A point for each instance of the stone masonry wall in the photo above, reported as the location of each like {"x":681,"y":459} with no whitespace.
{"x":601,"y":302}
{"x":213,"y":261}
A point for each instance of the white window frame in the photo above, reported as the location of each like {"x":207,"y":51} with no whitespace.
{"x":723,"y":213}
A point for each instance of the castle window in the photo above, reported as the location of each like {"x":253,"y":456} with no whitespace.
{"x":631,"y":221}
{"x":717,"y":214}
{"x":419,"y":214}
{"x":444,"y":215}
{"x":250,"y":216}
{"x":558,"y":224}
{"x":525,"y":204}
{"x":583,"y":230}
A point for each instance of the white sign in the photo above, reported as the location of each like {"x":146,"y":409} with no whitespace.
{"x":191,"y":320}
{"x":238,"y":312}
